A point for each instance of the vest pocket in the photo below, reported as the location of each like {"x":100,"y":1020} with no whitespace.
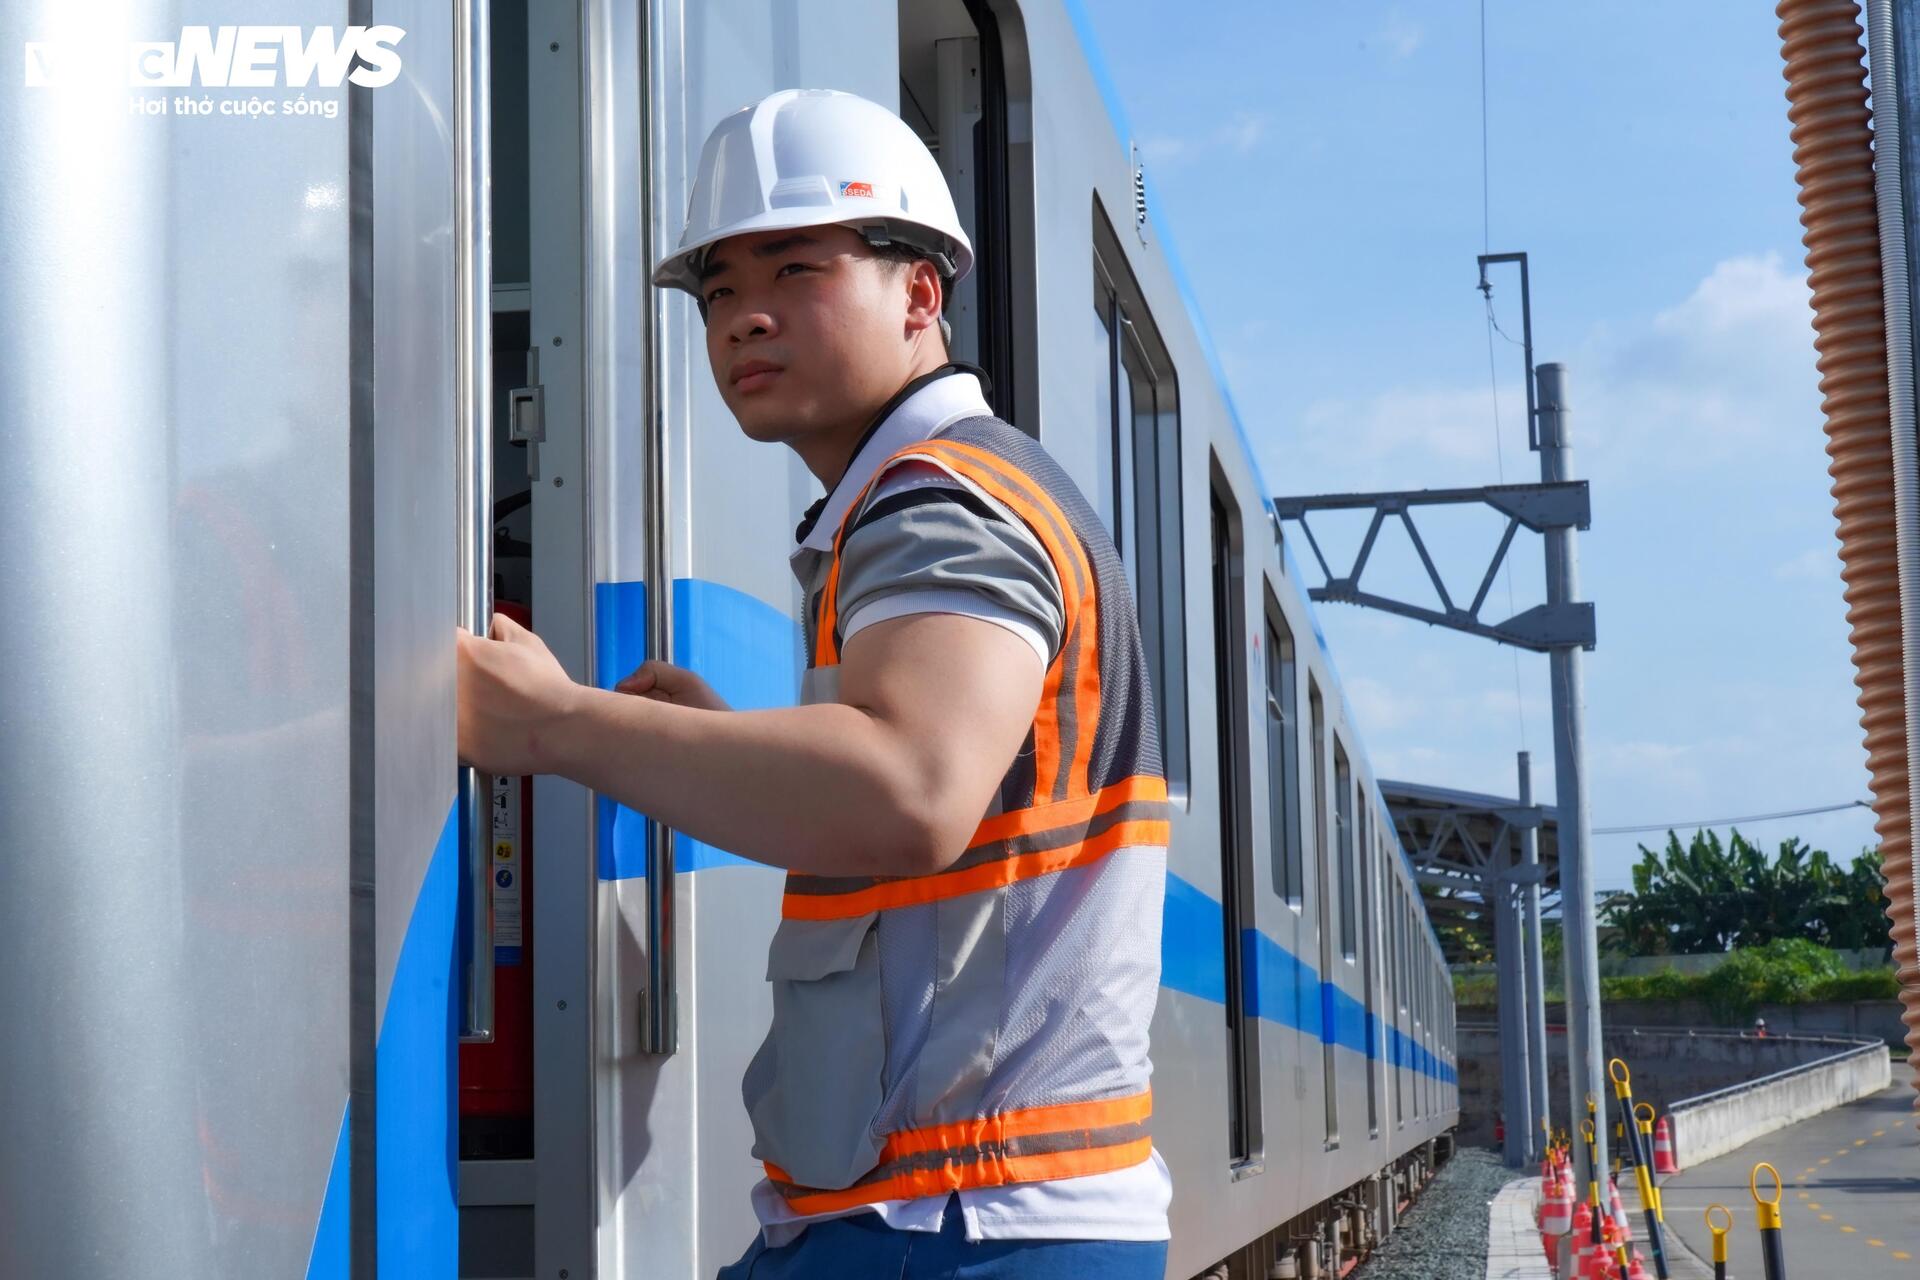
{"x":816,"y":1085}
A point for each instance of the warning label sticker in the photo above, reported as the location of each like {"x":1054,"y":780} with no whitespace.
{"x":507,"y":924}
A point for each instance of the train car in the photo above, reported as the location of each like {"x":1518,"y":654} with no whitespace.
{"x":299,"y":389}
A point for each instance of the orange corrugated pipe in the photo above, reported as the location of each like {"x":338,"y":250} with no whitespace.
{"x":1833,"y":152}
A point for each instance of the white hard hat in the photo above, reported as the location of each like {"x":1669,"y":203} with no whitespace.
{"x":816,"y":158}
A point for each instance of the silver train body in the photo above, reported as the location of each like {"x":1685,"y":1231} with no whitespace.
{"x":267,"y":372}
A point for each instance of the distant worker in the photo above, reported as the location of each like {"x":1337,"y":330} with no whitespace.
{"x":969,"y":803}
{"x":1760,"y":1027}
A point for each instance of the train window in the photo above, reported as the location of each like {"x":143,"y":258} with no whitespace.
{"x":1283,"y":757}
{"x":1419,"y":1008}
{"x":1323,"y":894}
{"x":954,"y":92}
{"x":1397,"y":1000}
{"x":1138,"y":487}
{"x":1236,"y":854}
{"x":1343,"y":826}
{"x":1370,"y":949}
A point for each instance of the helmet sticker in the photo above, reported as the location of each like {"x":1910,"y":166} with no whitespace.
{"x":857,"y":189}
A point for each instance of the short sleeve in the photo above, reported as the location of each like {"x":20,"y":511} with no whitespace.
{"x":921,"y":533}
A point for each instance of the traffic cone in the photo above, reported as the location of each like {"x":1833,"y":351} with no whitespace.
{"x":1556,"y":1218}
{"x":1636,"y":1268}
{"x":1556,"y":1214}
{"x":1663,"y":1161}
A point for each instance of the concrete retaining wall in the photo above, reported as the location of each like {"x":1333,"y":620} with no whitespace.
{"x":1879,"y":1018}
{"x":1715,"y":1123}
{"x":1667,"y":1066}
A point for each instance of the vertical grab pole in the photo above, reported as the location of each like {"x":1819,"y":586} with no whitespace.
{"x":1767,"y":1212}
{"x":661,"y":1025}
{"x":473,"y":454}
{"x":1642,"y":1163}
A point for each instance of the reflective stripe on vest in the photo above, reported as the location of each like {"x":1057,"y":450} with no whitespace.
{"x":1067,"y":1141}
{"x":1076,"y":825}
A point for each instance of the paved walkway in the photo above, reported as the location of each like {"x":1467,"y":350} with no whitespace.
{"x":1514,"y":1251}
{"x":1851,"y":1207}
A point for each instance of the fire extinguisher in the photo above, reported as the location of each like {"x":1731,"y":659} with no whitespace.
{"x":496,"y":1080}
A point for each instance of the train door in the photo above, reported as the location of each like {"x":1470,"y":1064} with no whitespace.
{"x":1244,"y":1118}
{"x":237,"y":578}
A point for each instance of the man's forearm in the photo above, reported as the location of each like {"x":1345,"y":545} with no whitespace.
{"x":820,"y":789}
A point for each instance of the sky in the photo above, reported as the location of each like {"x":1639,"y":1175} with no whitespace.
{"x":1317,"y":170}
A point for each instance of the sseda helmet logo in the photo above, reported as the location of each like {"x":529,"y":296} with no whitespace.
{"x":236,"y":57}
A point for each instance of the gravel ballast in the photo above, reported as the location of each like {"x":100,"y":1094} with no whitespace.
{"x":1444,"y":1234}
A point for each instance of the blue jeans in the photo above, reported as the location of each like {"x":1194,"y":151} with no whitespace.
{"x":862,"y":1247}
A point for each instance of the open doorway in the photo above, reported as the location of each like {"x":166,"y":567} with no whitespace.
{"x":955,"y":92}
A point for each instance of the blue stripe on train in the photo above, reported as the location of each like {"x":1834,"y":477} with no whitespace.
{"x":750,"y":653}
{"x":747,"y":650}
{"x":1280,"y":987}
{"x":328,"y":1259}
{"x":415,"y":1148}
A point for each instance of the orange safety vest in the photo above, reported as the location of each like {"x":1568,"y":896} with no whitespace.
{"x":1012,"y":1046}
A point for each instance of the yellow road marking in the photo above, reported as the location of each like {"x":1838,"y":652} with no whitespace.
{"x":1812,"y":1205}
{"x":1848,"y":1230}
{"x":1826,"y":1159}
{"x":1878,"y":1244}
{"x":1879,"y":1133}
{"x":1826,"y":1217}
{"x":1859,"y":1142}
{"x":1801,"y":1194}
{"x":1901,"y":1254}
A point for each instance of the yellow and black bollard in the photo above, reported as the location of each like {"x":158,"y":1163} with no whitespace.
{"x":1644,"y":1113}
{"x":1772,"y":1252}
{"x":1642,"y":1164}
{"x":1719,"y":1240}
{"x":1593,"y":1178}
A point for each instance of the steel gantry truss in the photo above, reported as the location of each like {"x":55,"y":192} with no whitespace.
{"x":1557,"y":508}
{"x":1541,"y":508}
{"x":1486,"y":863}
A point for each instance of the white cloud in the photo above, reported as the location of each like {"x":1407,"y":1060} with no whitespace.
{"x":1708,"y":380}
{"x":1723,"y":373}
{"x":1242,"y":133}
{"x":1401,"y":36}
{"x":1162,"y":149}
{"x":1812,"y":565}
{"x":1445,"y":424}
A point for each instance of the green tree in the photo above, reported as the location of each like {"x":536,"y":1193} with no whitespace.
{"x":1709,"y":896}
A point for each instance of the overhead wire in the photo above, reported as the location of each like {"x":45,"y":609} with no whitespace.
{"x":1727,"y":822}
{"x":1493,"y":375}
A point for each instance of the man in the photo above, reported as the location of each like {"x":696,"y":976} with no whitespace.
{"x":969,"y":803}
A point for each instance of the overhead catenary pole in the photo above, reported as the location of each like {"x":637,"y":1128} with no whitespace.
{"x":1533,"y":955}
{"x":1516,"y":1107}
{"x":1578,"y":927}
